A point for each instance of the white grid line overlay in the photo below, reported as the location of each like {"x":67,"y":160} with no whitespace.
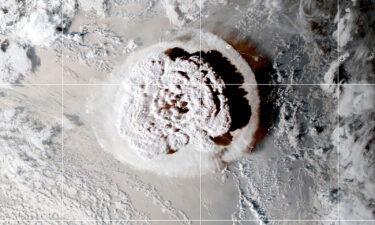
{"x":192,"y":220}
{"x":62,"y":108}
{"x":192,"y":85}
{"x":338,"y":86}
{"x":338,"y":112}
{"x":201,"y":117}
{"x":338,"y":154}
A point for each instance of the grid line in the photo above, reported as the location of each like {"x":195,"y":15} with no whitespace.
{"x":338,"y":111}
{"x":62,"y":109}
{"x":201,"y":117}
{"x":193,"y":85}
{"x":192,"y":220}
